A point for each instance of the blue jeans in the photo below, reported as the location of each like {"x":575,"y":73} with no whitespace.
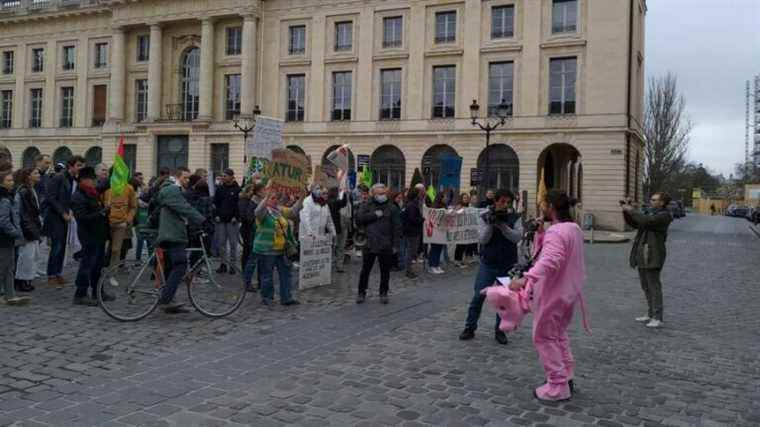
{"x":485,"y":278}
{"x":250,"y":268}
{"x":267,"y":264}
{"x":175,"y":267}
{"x":88,"y":276}
{"x":402,"y":261}
{"x":142,"y":242}
{"x":434,"y":257}
{"x":57,"y":253}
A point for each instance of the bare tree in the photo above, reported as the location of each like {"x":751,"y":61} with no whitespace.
{"x":666,"y":130}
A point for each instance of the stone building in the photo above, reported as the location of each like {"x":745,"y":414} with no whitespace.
{"x":394,"y":79}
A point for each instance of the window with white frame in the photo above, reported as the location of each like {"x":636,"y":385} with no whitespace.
{"x":444,"y":92}
{"x":38,"y":60}
{"x":297,"y":40}
{"x":35,"y":108}
{"x":232,"y":96}
{"x":341,"y":105}
{"x":143,"y":48}
{"x":67,"y":107}
{"x":141,"y":100}
{"x":502,"y":22}
{"x":69,"y":58}
{"x":296,"y":97}
{"x":234,"y":40}
{"x":393,"y":31}
{"x":344,"y":36}
{"x":101,"y":55}
{"x":390,"y":94}
{"x":564,"y":16}
{"x":446,"y":27}
{"x":562,"y":77}
{"x":500,"y":87}
{"x":8,"y":62}
{"x":6,"y":109}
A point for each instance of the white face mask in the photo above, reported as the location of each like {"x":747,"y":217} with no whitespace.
{"x":381,"y":199}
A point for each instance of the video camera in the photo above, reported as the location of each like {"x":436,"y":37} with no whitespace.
{"x":492,"y":216}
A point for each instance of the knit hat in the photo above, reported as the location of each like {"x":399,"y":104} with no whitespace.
{"x":87,"y":172}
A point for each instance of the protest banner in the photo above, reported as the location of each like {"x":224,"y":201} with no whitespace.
{"x":288,"y":172}
{"x":267,"y":136}
{"x":339,"y":157}
{"x":326,"y":176}
{"x":449,"y":226}
{"x":315,"y":263}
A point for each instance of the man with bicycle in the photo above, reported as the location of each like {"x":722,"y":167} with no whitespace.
{"x":174,"y":213}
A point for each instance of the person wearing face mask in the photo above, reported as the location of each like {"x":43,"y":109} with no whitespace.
{"x":315,"y":219}
{"x":383,"y":230}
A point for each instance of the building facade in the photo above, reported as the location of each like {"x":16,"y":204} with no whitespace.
{"x":394,"y":79}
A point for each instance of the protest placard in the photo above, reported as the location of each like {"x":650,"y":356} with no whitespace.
{"x":326,"y":176}
{"x":449,"y":226}
{"x":288,"y":172}
{"x":339,"y":157}
{"x":315,"y":263}
{"x":267,"y":136}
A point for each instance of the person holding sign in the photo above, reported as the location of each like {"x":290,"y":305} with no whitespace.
{"x":383,"y":230}
{"x":315,"y":217}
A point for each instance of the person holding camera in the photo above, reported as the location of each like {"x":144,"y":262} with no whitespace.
{"x":499,"y":236}
{"x":649,"y":252}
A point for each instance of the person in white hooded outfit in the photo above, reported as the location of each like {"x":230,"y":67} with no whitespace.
{"x":315,"y":216}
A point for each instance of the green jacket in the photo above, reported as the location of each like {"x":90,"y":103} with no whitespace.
{"x":649,"y":251}
{"x":174,"y":215}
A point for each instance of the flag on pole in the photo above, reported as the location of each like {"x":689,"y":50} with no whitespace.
{"x":366,"y":177}
{"x":120,"y":173}
{"x":431,"y":193}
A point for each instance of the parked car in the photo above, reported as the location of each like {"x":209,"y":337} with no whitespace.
{"x":739,"y":212}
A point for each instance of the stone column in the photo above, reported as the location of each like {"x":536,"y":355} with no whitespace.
{"x":82,"y":90}
{"x":248,"y":65}
{"x":118,"y":75}
{"x":21,"y":95}
{"x":206,"y":93}
{"x":154,"y":73}
{"x":50,"y":110}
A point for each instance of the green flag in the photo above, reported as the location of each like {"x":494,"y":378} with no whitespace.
{"x":366,"y":177}
{"x":120,"y":171}
{"x":431,"y":193}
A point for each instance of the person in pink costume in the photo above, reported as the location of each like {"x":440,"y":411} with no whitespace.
{"x":556,"y":282}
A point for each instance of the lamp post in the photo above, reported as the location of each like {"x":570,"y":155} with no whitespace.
{"x":246,"y":123}
{"x":488,"y":126}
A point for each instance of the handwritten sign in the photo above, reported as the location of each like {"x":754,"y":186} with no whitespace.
{"x":449,"y":226}
{"x":316,"y":262}
{"x":288,"y":172}
{"x":267,"y":137}
{"x":326,"y":176}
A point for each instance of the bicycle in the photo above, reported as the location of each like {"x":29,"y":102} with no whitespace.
{"x":137,"y":288}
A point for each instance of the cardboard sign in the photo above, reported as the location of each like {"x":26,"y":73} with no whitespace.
{"x":449,"y":226}
{"x":339,"y":157}
{"x":267,"y":137}
{"x":326,"y":176}
{"x":288,"y":172}
{"x":315,"y":263}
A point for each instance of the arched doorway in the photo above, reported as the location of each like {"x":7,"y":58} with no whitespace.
{"x":499,"y":168}
{"x":559,"y":163}
{"x":190,"y":83}
{"x":389,"y":167}
{"x":28,"y":159}
{"x":351,"y":158}
{"x":5,"y":155}
{"x":62,"y":155}
{"x":296,"y":149}
{"x":94,"y":156}
{"x":441,"y":167}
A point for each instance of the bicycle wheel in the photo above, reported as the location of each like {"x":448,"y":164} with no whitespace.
{"x":214,"y":294}
{"x":135,"y":294}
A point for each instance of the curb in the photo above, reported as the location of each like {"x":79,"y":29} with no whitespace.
{"x":755,"y":230}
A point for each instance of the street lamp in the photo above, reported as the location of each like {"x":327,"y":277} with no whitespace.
{"x":246,"y":123}
{"x":488,"y":126}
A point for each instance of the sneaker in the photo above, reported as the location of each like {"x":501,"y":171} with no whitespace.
{"x":501,"y":338}
{"x":654,"y":323}
{"x":291,"y":302}
{"x":467,"y":334}
{"x":643,"y":319}
{"x":437,"y":270}
{"x":361,"y":298}
{"x":86,"y":301}
{"x":384,"y":299}
{"x":113,"y":282}
{"x":61,"y":280}
{"x":175,"y":308}
{"x":553,"y":392}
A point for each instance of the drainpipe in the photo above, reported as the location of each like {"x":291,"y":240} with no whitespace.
{"x":628,"y":102}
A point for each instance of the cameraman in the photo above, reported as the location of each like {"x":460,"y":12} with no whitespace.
{"x":649,"y":252}
{"x":498,"y":239}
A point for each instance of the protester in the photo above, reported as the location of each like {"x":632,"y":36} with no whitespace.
{"x":464,"y":253}
{"x":315,"y":218}
{"x":174,"y":212}
{"x":154,"y":186}
{"x":10,"y":233}
{"x":490,"y":196}
{"x":412,"y":221}
{"x":436,"y":250}
{"x":226,"y":199}
{"x":499,"y":235}
{"x":360,"y":235}
{"x":383,"y":230}
{"x":197,"y":195}
{"x":399,"y":252}
{"x":649,"y":252}
{"x":43,"y":163}
{"x":249,"y":201}
{"x":122,"y":209}
{"x":274,"y":237}
{"x":28,"y":204}
{"x":556,"y":284}
{"x":58,"y":217}
{"x":141,"y":219}
{"x":201,"y":173}
{"x":337,"y":202}
{"x":92,"y":227}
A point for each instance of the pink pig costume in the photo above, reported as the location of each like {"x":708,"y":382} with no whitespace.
{"x":556,"y":280}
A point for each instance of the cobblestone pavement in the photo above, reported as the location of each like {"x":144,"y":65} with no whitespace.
{"x":331,"y":362}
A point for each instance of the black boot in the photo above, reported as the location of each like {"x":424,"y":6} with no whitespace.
{"x":26,"y":286}
{"x":501,"y":338}
{"x":467,"y":334}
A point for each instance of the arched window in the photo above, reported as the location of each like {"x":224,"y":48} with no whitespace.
{"x":94,"y":156}
{"x":30,"y":154}
{"x":190,"y":75}
{"x":433,"y":170}
{"x":62,"y":155}
{"x":499,"y":168}
{"x":389,"y":167}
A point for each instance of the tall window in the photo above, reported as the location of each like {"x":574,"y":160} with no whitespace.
{"x":341,"y":107}
{"x":297,"y":44}
{"x":8,"y":62}
{"x":444,"y":91}
{"x":393,"y":31}
{"x":99,"y":96}
{"x":500,"y":81}
{"x":220,"y":158}
{"x":141,"y":100}
{"x":234,"y":40}
{"x":562,"y":75}
{"x":296,"y":97}
{"x":67,"y":107}
{"x":143,"y":48}
{"x":101,"y":55}
{"x":6,"y":109}
{"x":390,"y":94}
{"x":445,"y":27}
{"x":344,"y":36}
{"x":564,"y":16}
{"x":191,"y":70}
{"x":69,"y":58}
{"x":38,"y":60}
{"x":232,"y":97}
{"x":35,"y":116}
{"x":502,"y":22}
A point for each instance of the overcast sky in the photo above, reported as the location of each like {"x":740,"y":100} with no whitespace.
{"x":713,"y":47}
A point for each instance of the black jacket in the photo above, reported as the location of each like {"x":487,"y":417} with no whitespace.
{"x":203,"y":204}
{"x":247,"y":211}
{"x":383,"y":233}
{"x":226,"y":200}
{"x":58,"y":200}
{"x":91,"y":216}
{"x":29,"y":211}
{"x":412,"y":219}
{"x":335,"y":206}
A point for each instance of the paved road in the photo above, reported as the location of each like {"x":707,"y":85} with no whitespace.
{"x":330,"y":362}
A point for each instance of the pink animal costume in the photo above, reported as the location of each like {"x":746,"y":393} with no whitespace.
{"x":556,"y":280}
